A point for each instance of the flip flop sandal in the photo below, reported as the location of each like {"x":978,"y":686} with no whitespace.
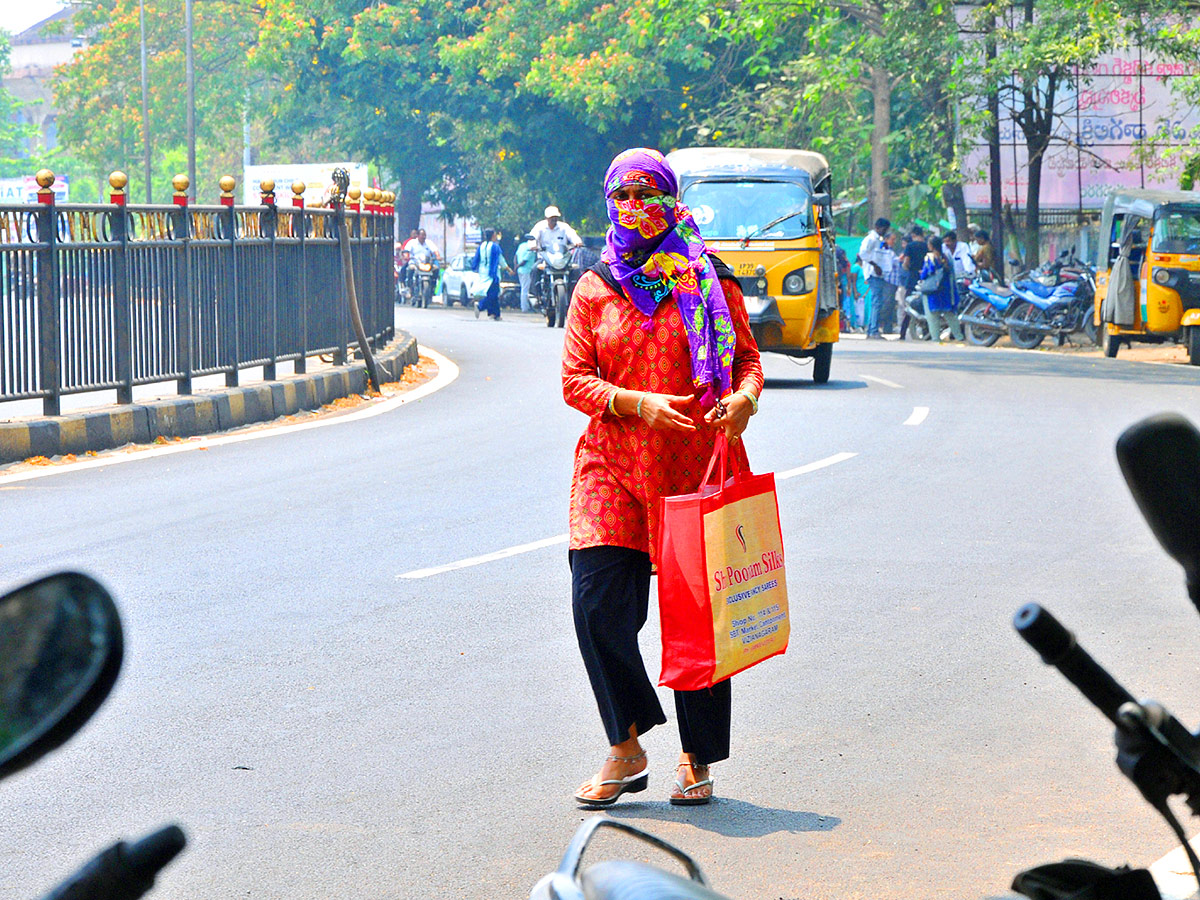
{"x":686,"y":800}
{"x":630,"y":784}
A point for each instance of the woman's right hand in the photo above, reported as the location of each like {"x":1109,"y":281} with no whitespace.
{"x":665,"y":412}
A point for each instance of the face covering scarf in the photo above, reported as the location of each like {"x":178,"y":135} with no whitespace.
{"x":654,"y":251}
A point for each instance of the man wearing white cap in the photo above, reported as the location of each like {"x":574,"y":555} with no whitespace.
{"x":554,"y":234}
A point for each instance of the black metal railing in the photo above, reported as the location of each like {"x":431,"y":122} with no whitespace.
{"x":108,"y":296}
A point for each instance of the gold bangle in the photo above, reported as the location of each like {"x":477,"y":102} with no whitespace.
{"x":612,"y":403}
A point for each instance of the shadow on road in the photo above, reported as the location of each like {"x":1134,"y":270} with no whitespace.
{"x":730,"y":818}
{"x":1032,"y":363}
{"x":807,"y":384}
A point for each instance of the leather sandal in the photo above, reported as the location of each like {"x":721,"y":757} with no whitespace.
{"x":630,"y":784}
{"x":685,"y":798}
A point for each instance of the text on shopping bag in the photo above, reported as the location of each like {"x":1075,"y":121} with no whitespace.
{"x":743,"y":550}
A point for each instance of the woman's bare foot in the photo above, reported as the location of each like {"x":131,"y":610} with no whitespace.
{"x":624,"y":759}
{"x":689,"y":773}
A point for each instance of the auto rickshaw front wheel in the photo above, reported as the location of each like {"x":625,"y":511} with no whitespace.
{"x":1192,"y":334}
{"x":822,"y":359}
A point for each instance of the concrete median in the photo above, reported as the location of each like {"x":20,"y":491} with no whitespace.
{"x":199,"y":414}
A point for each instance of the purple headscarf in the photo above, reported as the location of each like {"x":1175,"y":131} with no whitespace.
{"x":654,"y":250}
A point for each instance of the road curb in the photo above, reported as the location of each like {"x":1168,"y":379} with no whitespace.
{"x":205,"y":413}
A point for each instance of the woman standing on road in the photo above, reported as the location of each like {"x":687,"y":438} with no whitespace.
{"x":654,"y":339}
{"x":942,"y":299}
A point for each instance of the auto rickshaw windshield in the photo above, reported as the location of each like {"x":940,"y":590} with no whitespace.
{"x":737,"y":209}
{"x":1177,"y":230}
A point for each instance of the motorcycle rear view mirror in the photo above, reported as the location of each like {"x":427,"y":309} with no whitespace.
{"x":60,"y":651}
{"x":820,"y":199}
{"x":1160,"y":458}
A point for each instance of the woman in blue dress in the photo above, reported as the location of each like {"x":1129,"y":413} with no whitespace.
{"x":941,"y":298}
{"x":488,"y":261}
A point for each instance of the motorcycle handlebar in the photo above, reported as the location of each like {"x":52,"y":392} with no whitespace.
{"x":1057,"y":647}
{"x":123,"y":871}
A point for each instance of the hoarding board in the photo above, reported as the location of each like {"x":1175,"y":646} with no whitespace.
{"x":25,"y":189}
{"x":1104,"y":115}
{"x":317,"y":177}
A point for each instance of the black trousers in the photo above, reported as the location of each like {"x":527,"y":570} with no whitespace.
{"x":610,"y":588}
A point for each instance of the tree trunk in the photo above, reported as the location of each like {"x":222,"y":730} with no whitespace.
{"x":408,"y":207}
{"x":880,"y":191}
{"x":1037,"y":145}
{"x":994,"y":173}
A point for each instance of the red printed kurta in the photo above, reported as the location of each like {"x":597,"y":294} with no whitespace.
{"x":622,"y":465}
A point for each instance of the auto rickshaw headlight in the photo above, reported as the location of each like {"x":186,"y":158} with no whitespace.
{"x":1162,"y":276}
{"x":800,"y":281}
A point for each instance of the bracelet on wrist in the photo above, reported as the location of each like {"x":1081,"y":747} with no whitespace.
{"x":639,"y":404}
{"x":612,"y":403}
{"x":749,"y":395}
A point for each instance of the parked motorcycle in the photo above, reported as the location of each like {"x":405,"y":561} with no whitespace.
{"x":988,"y":303}
{"x":1056,"y":300}
{"x":62,"y":646}
{"x":918,"y":325}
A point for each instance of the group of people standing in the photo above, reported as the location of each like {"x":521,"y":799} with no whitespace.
{"x":898,"y":267}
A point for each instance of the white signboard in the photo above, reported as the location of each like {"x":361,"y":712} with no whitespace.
{"x":317,"y":177}
{"x":25,"y":190}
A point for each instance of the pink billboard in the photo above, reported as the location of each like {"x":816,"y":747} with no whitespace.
{"x":1098,"y":138}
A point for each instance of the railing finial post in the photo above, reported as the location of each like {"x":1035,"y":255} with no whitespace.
{"x":45,"y":180}
{"x":227,"y":183}
{"x":180,"y":183}
{"x":298,"y":188}
{"x":117,"y":181}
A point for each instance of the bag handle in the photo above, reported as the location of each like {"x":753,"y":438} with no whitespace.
{"x":721,"y":451}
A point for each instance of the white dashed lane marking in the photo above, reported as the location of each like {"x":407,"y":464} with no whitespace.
{"x":562,"y":538}
{"x":919,"y":414}
{"x":882,"y":381}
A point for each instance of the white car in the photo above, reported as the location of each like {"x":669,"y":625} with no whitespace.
{"x":457,"y":280}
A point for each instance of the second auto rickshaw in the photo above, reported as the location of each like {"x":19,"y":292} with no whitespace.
{"x":1148,"y":283}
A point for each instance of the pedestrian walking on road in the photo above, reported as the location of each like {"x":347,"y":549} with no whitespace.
{"x":488,"y":261}
{"x":656,"y":333}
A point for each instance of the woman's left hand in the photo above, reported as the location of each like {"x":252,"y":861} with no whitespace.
{"x":737,"y":416}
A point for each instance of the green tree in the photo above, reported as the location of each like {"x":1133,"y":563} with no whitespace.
{"x":99,"y":91}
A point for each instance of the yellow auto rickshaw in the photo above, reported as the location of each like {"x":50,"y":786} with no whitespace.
{"x":1148,"y":284}
{"x":767,"y":214}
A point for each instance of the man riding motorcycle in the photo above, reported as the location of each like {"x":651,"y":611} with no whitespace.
{"x":553,"y":237}
{"x":554,"y":234}
{"x":421,"y":254}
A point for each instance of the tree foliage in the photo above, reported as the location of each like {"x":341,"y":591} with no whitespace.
{"x":497,"y":108}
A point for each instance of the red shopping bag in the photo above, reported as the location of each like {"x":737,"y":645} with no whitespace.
{"x":722,"y":596}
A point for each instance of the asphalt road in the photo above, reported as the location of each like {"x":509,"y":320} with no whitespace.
{"x":323,"y":728}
